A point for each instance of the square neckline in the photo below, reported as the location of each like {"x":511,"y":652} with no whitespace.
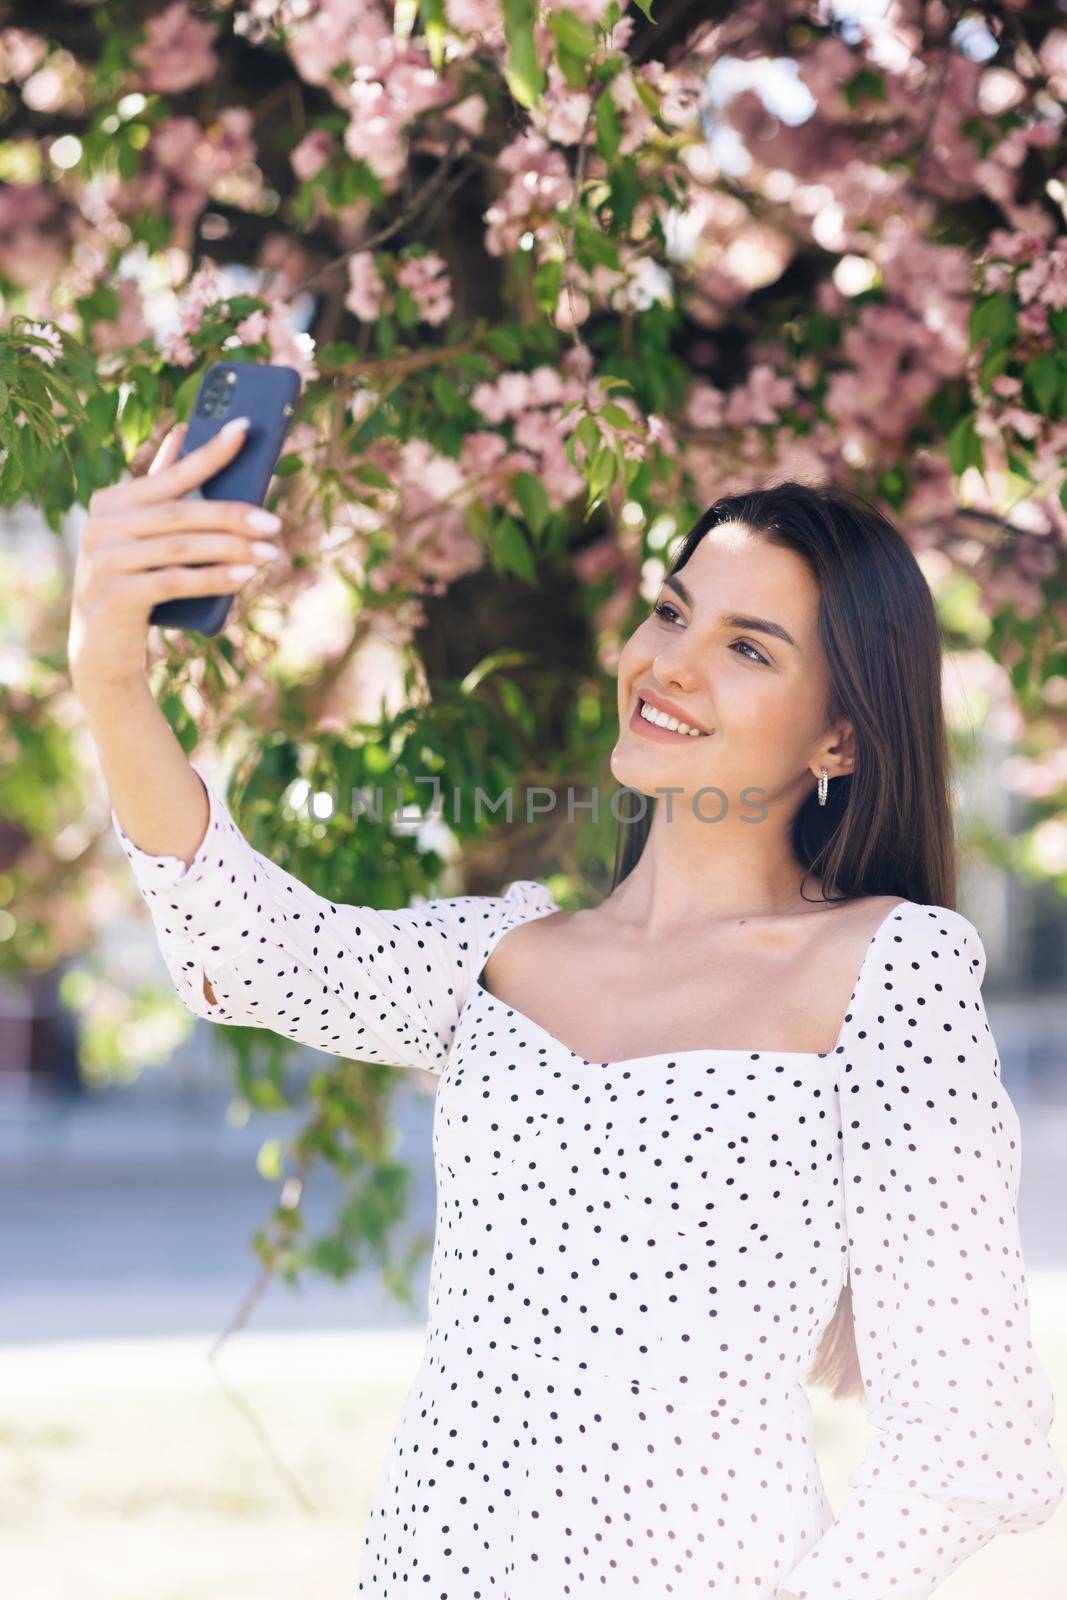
{"x":700,"y":1051}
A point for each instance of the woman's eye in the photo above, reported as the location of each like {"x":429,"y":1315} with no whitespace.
{"x":670,"y":613}
{"x":757,"y":653}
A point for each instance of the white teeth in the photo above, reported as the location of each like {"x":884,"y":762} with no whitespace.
{"x":662,"y":720}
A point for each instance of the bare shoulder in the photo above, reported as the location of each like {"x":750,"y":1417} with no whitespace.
{"x":850,"y":929}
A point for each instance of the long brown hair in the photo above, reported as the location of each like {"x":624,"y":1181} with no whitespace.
{"x":887,"y":827}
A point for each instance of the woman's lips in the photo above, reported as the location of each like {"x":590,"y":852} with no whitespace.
{"x":651,"y":730}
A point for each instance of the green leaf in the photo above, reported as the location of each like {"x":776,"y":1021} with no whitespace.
{"x":1041,"y":383}
{"x":624,"y":193}
{"x":525,"y":77}
{"x":593,"y":248}
{"x":185,"y":393}
{"x":575,"y":35}
{"x":619,"y":419}
{"x":964,"y":446}
{"x":547,"y":280}
{"x":269,"y":1160}
{"x":588,"y":434}
{"x":572,"y":67}
{"x":504,"y":341}
{"x":992,"y":318}
{"x":531,"y":495}
{"x":407,"y":310}
{"x":374,"y":477}
{"x":866,"y":85}
{"x":511,"y":550}
{"x":432,"y":13}
{"x":601,"y":475}
{"x":645,"y":8}
{"x":608,"y":128}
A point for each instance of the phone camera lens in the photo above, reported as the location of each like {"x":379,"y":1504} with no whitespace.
{"x":216,"y":393}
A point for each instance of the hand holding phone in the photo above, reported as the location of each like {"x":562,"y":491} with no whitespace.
{"x":144,"y":544}
{"x":267,"y":396}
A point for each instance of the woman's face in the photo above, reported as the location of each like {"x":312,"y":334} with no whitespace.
{"x":758,"y":699}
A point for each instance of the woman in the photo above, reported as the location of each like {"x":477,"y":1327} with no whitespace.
{"x":642,"y":1251}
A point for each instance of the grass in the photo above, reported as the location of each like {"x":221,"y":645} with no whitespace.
{"x":129,"y":1472}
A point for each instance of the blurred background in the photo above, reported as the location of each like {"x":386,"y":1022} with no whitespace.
{"x":554,"y":277}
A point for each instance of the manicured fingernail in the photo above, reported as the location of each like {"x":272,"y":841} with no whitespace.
{"x":241,"y":573}
{"x":265,"y":551}
{"x":238,"y":425}
{"x":264,"y":521}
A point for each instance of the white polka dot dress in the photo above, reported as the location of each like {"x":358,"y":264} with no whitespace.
{"x":634,"y":1260}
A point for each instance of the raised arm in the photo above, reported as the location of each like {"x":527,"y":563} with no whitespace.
{"x":246,"y":942}
{"x":243,"y":940}
{"x":962,"y":1405}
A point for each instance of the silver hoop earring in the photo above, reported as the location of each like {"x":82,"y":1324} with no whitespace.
{"x":824,"y":784}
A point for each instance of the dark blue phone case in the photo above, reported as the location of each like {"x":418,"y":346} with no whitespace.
{"x":267,"y":396}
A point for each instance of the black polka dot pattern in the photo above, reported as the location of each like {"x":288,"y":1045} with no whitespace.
{"x":634,"y":1260}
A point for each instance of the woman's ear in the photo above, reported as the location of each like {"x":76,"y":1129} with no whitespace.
{"x":838,"y":756}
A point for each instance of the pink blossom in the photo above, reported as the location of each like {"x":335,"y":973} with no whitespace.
{"x":475,"y":16}
{"x":204,"y":289}
{"x":196,"y":157}
{"x":440,"y":476}
{"x":32,"y":244}
{"x":705,"y":405}
{"x":480,"y":452}
{"x":414,"y":87}
{"x":535,"y":431}
{"x":253,"y":328}
{"x":566,"y":110}
{"x":589,"y":11}
{"x":546,"y":386}
{"x":375,"y":133}
{"x":128,"y":327}
{"x":514,"y":391}
{"x":366,"y":292}
{"x":561,"y":481}
{"x":507,"y":397}
{"x":486,"y":399}
{"x":21,"y":53}
{"x":578,"y":361}
{"x":469,"y":114}
{"x":312,"y":153}
{"x":333,"y":33}
{"x":573,"y":306}
{"x":1034,"y":319}
{"x":288,"y":346}
{"x":178,"y":50}
{"x":426,"y":280}
{"x":597,"y":560}
{"x":1053,"y":58}
{"x":760,"y":398}
{"x":540,"y":182}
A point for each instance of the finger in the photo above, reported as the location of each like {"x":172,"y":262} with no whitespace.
{"x":168,"y":450}
{"x":172,"y":583}
{"x":184,"y":516}
{"x":172,"y":481}
{"x":178,"y":549}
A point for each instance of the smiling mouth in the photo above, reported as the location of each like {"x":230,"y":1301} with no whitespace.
{"x":667,"y":724}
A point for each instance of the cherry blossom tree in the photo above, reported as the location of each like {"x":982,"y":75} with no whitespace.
{"x":553,"y":278}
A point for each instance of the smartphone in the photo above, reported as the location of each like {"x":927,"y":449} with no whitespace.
{"x":267,"y":396}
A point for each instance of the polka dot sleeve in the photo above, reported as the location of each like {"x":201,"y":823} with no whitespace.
{"x":931,"y":1171}
{"x":247,"y":943}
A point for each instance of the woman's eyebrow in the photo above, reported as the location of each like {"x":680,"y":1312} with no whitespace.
{"x":734,"y":619}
